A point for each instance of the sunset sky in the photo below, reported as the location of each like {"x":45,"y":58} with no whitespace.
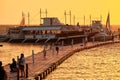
{"x":11,"y":10}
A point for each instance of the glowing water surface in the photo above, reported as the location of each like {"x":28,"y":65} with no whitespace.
{"x":12,"y":50}
{"x":100,"y":63}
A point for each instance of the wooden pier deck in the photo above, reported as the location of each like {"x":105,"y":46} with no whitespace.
{"x":43,"y":66}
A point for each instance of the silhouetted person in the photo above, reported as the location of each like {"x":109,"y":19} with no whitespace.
{"x":57,"y":49}
{"x":21,"y":65}
{"x":3,"y":75}
{"x":13,"y":66}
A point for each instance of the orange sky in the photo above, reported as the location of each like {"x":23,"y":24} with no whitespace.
{"x":11,"y":10}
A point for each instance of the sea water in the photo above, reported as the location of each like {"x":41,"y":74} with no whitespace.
{"x":12,"y":50}
{"x":100,"y":63}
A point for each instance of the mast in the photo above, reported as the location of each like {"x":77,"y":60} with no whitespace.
{"x":108,"y":23}
{"x":46,"y":13}
{"x":70,"y":17}
{"x":84,"y":19}
{"x":90,"y":19}
{"x":74,"y":19}
{"x":66,"y":16}
{"x":43,"y":13}
{"x":22,"y":23}
{"x":40,"y":16}
{"x":28,"y":19}
{"x":101,"y":18}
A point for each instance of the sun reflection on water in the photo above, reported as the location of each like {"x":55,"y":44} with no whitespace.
{"x":101,"y":63}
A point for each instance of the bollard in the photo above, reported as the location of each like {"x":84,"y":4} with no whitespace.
{"x":53,"y":48}
{"x":17,"y":74}
{"x":33,"y":56}
{"x":93,"y":40}
{"x":26,"y":70}
{"x":44,"y":53}
{"x":62,"y":44}
{"x":17,"y":59}
{"x":72,"y":42}
{"x":104,"y":38}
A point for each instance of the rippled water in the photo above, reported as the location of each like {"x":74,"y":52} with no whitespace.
{"x":101,"y":63}
{"x":10,"y":50}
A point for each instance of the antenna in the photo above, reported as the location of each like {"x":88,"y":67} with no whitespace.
{"x":23,"y":14}
{"x":40,"y":16}
{"x":84,"y":19}
{"x":66,"y":16}
{"x":74,"y":19}
{"x":101,"y":18}
{"x":28,"y":18}
{"x":42,"y":13}
{"x":90,"y":19}
{"x":70,"y":17}
{"x":46,"y":13}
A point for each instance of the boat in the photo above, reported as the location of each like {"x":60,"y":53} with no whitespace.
{"x":52,"y":30}
{"x":104,"y":33}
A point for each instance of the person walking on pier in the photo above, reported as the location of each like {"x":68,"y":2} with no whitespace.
{"x":3,"y":75}
{"x":57,"y":49}
{"x":21,"y":65}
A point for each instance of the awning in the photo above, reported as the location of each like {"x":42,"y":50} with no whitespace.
{"x":40,"y":28}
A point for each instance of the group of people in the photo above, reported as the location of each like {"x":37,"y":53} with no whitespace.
{"x":19,"y":65}
{"x":14,"y":67}
{"x":21,"y":62}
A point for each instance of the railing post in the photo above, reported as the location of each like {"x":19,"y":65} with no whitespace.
{"x":62,"y":44}
{"x":93,"y":39}
{"x":72,"y":42}
{"x":17,"y":74}
{"x":26,"y":70}
{"x":33,"y":56}
{"x":104,"y":38}
{"x":53,"y":48}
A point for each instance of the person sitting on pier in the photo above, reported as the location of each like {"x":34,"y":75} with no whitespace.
{"x":13,"y":66}
{"x":21,"y":65}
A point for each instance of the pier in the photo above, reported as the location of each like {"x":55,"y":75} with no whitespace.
{"x":41,"y":66}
